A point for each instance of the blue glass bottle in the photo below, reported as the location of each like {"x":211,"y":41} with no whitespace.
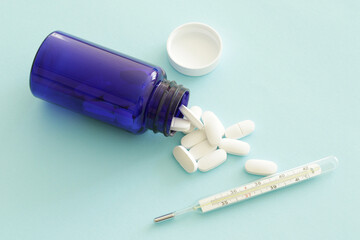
{"x":105,"y":85}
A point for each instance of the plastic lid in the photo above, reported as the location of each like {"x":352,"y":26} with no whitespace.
{"x":194,"y":49}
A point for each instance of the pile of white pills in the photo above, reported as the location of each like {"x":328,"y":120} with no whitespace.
{"x":204,"y":146}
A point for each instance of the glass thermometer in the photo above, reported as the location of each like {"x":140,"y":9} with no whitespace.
{"x":258,"y":187}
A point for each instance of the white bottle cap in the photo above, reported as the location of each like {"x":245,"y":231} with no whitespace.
{"x":194,"y":49}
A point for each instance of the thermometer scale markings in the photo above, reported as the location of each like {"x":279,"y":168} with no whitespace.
{"x":259,"y":187}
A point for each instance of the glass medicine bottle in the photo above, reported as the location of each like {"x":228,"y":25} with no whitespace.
{"x":106,"y":85}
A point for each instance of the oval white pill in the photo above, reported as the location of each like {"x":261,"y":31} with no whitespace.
{"x":179,"y":124}
{"x":260,"y":167}
{"x":212,"y":160}
{"x":197,"y":112}
{"x":191,"y":116}
{"x":185,"y":159}
{"x":240,"y":129}
{"x":191,"y":129}
{"x":234,"y":146}
{"x":193,"y":138}
{"x":213,"y":128}
{"x":201,"y":149}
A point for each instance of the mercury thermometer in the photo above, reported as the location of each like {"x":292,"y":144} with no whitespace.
{"x":258,"y":187}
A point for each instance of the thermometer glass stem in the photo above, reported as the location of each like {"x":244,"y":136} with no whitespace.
{"x":258,"y":187}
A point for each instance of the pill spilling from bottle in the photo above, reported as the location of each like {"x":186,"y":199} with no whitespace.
{"x":207,"y":142}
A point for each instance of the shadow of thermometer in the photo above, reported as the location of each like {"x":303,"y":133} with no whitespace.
{"x":258,"y":187}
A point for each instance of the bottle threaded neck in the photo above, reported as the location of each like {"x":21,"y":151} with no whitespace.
{"x":164,"y":106}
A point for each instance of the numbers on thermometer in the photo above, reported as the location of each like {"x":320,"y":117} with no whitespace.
{"x":259,"y":187}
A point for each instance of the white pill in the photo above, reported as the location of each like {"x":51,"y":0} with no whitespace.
{"x":234,"y":146}
{"x":197,"y":112}
{"x":191,"y":129}
{"x":193,"y":138}
{"x":240,"y":129}
{"x":191,"y":116}
{"x":260,"y":167}
{"x":185,"y":159}
{"x":201,"y":149}
{"x":179,"y":124}
{"x":212,"y":160}
{"x":213,"y":128}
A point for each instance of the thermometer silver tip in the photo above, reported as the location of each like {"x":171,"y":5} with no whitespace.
{"x":165,"y":217}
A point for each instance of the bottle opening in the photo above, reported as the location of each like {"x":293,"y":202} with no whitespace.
{"x":164,"y":106}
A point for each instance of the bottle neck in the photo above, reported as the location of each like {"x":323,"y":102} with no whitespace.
{"x":164,"y":106}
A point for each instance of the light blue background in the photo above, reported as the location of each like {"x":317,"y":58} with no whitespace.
{"x":291,"y":66}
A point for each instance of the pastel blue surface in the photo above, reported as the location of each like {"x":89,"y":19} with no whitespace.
{"x":293,"y":67}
